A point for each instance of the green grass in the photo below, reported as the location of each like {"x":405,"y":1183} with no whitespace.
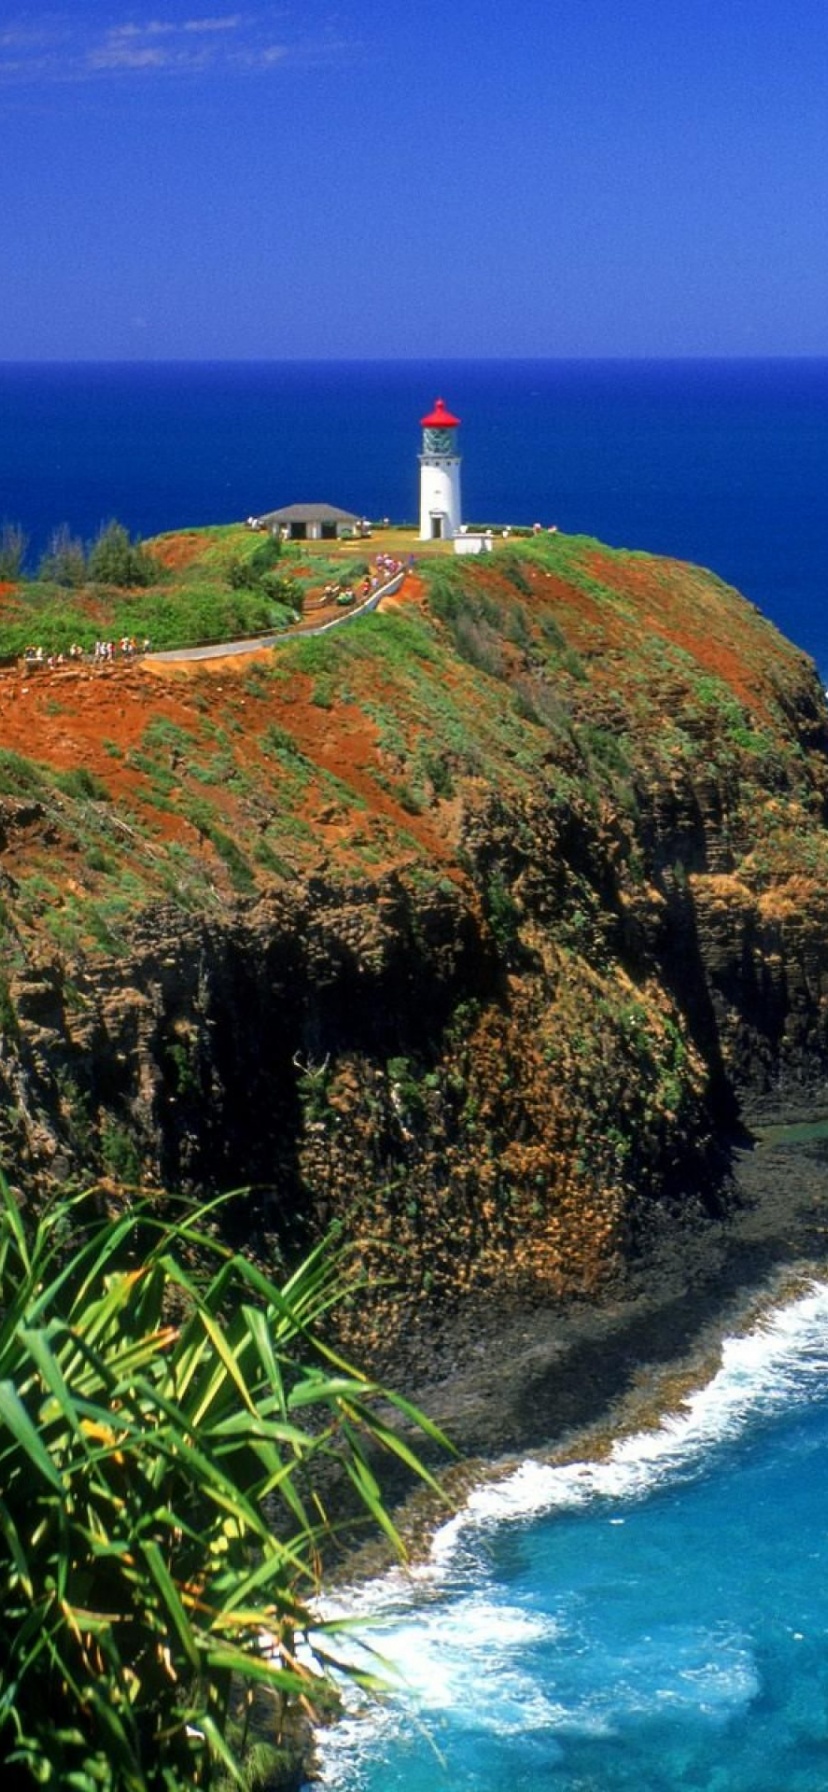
{"x":78,"y":781}
{"x":194,"y":605}
{"x":19,"y":776}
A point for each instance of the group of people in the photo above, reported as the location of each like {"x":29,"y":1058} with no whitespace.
{"x":385,"y":569}
{"x":127,"y":647}
{"x":103,"y":653}
{"x":35,"y":656}
{"x":336,"y":594}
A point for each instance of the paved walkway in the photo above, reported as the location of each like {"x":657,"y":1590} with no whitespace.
{"x":223,"y":649}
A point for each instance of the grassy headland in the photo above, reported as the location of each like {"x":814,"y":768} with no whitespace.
{"x":532,"y":866}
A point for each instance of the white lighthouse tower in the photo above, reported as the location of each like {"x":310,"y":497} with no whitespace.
{"x":439,"y":476}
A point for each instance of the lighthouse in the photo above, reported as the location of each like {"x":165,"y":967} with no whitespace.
{"x":439,"y":476}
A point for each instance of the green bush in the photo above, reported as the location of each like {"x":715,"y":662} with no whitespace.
{"x":474,"y":620}
{"x":120,"y":1153}
{"x":13,"y":545}
{"x":45,"y":622}
{"x":9,"y":1025}
{"x":18,"y":774}
{"x":81,"y":782}
{"x":64,"y":562}
{"x":116,"y":560}
{"x":249,"y":570}
{"x":502,"y":913}
{"x":254,"y":572}
{"x":199,"y":613}
{"x":164,"y":1410}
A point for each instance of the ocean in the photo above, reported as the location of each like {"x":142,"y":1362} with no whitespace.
{"x":653,"y":1620}
{"x":658,"y":1619}
{"x":720,"y":462}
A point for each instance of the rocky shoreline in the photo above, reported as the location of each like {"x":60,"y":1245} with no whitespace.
{"x":561,"y":1376}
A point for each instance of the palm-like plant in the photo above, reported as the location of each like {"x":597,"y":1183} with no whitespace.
{"x":162,"y":1426}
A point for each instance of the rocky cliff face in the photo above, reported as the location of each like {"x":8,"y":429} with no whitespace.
{"x":474,"y":929}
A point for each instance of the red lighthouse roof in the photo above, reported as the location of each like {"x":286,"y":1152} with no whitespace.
{"x":439,"y":418}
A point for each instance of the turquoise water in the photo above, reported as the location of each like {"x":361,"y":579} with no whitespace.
{"x":652,"y":1621}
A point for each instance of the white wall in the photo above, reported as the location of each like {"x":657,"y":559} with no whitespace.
{"x":439,"y":495}
{"x":473,"y":544}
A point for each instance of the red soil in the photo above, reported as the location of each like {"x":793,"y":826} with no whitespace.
{"x":73,"y":717}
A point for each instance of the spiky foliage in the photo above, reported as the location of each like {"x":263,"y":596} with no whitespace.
{"x":162,"y":1426}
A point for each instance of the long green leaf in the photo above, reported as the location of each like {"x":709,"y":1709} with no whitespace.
{"x":217,"y":1384}
{"x":172,"y":1602}
{"x":16,"y":1549}
{"x":14,"y":1416}
{"x":366,"y":1486}
{"x":259,"y":1331}
{"x":219,"y":1747}
{"x":38,"y":1342}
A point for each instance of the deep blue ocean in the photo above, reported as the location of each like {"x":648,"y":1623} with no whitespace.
{"x":658,"y":1619}
{"x":724,"y":463}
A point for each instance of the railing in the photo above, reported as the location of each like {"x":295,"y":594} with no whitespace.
{"x":223,"y":649}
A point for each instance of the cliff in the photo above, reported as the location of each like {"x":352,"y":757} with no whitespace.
{"x":478,"y":928}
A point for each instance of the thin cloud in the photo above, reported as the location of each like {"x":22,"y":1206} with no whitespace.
{"x":25,"y":37}
{"x":115,"y":56}
{"x":136,"y":46}
{"x":230,"y":24}
{"x":172,"y":27}
{"x":61,"y":50}
{"x":25,"y":47}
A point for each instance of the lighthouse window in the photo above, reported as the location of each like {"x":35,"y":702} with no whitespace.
{"x":438,"y":441}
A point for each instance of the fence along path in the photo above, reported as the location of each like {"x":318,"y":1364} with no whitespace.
{"x":223,"y":649}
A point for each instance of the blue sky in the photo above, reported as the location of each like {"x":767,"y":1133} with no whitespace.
{"x":439,"y":178}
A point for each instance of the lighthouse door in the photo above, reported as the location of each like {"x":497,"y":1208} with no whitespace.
{"x":436,"y":528}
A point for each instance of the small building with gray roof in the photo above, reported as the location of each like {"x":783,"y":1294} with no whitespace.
{"x":312,"y":522}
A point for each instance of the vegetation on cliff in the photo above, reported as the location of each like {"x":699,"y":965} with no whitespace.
{"x":230,"y":585}
{"x":469,"y":926}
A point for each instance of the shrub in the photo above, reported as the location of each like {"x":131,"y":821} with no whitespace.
{"x":116,"y":560}
{"x":18,"y":774}
{"x":502,"y":913}
{"x":120,"y":1153}
{"x":13,"y":545}
{"x":444,"y":582}
{"x":64,"y":562}
{"x":164,"y":1406}
{"x":255,"y":573}
{"x":512,"y":564}
{"x":250,"y":569}
{"x":198,"y":613}
{"x":478,"y":644}
{"x":81,"y":782}
{"x":237,"y":865}
{"x":9,"y":1025}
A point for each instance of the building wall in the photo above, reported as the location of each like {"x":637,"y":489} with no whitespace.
{"x":439,"y":495}
{"x":473,"y":544}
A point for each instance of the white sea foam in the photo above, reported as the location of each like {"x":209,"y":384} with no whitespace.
{"x":480,"y":1665}
{"x":771,"y":1367}
{"x":465,"y":1655}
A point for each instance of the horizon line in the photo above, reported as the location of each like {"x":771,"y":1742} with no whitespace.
{"x":391,"y":360}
